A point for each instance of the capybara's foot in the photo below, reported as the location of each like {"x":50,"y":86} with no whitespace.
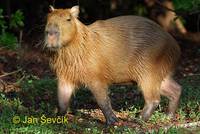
{"x":111,"y":120}
{"x":148,"y":110}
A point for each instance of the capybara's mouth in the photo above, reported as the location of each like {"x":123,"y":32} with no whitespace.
{"x":52,"y":47}
{"x":52,"y":42}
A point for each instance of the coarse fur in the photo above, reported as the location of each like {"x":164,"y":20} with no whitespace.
{"x":117,"y":50}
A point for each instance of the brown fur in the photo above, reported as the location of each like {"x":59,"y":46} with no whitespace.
{"x":117,"y":50}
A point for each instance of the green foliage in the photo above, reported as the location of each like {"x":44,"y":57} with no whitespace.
{"x":2,"y":22}
{"x":187,"y":5}
{"x":17,"y":20}
{"x":42,"y":93}
{"x":9,"y":110}
{"x":140,"y":10}
{"x":36,"y":90}
{"x":7,"y":39}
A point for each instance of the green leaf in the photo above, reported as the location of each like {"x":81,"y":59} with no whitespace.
{"x":186,"y":5}
{"x":8,"y":40}
{"x":16,"y":20}
{"x":3,"y":26}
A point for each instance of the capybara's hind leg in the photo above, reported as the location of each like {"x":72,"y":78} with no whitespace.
{"x":151,"y":95}
{"x":99,"y":90}
{"x":172,"y":91}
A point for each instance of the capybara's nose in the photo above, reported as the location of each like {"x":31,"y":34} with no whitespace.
{"x":51,"y":33}
{"x":52,"y":30}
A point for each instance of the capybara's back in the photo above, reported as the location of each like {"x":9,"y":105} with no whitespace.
{"x":135,"y":47}
{"x":118,"y":50}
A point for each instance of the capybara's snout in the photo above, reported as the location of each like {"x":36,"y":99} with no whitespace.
{"x":52,"y":34}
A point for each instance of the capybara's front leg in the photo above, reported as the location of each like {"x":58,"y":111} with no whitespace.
{"x":65,"y":90}
{"x":99,"y":90}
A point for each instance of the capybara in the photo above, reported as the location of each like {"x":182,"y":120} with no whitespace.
{"x":123,"y":49}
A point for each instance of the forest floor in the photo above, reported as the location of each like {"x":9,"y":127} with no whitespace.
{"x":28,"y":91}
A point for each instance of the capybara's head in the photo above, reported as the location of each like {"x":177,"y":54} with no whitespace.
{"x":60,"y":28}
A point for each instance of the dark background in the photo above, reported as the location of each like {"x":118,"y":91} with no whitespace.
{"x":91,"y":10}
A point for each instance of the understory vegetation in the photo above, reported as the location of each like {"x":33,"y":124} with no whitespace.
{"x":38,"y":98}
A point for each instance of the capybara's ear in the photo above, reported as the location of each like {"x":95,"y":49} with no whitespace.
{"x":51,"y":8}
{"x":74,"y":11}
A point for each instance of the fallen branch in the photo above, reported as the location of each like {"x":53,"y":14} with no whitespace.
{"x":6,"y":74}
{"x":185,"y":125}
{"x":192,"y":124}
